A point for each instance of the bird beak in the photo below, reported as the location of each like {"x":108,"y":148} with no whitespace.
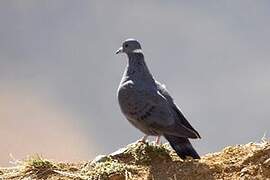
{"x":120,"y":50}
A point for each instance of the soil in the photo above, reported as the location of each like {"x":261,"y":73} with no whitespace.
{"x":152,"y":162}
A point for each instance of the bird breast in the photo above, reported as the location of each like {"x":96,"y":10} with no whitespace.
{"x":126,"y":97}
{"x":131,"y":101}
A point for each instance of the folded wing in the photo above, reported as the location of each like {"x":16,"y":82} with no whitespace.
{"x":180,"y":118}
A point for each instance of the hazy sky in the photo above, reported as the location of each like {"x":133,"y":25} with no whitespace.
{"x":59,"y":74}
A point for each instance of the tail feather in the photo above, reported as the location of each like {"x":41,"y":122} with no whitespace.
{"x":182,"y":147}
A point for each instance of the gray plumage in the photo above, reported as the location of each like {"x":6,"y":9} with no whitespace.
{"x":148,"y":106}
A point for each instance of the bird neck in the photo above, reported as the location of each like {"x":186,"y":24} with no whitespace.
{"x":136,"y":61}
{"x":137,"y":68}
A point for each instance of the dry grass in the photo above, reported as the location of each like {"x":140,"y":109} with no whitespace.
{"x":148,"y":161}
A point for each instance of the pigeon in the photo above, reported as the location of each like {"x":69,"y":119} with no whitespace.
{"x":148,"y":106}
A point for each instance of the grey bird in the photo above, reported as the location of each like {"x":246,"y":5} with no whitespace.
{"x":148,"y":106}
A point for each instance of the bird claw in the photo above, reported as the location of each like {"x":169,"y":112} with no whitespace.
{"x":143,"y":139}
{"x":158,"y":142}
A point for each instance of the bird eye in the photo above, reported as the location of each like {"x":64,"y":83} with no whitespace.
{"x":126,"y":45}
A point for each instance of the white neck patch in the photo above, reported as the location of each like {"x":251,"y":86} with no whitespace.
{"x":137,"y":51}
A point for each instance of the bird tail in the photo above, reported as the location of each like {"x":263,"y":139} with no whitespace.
{"x":182,"y":147}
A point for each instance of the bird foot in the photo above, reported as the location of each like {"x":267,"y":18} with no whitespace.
{"x":143,"y":139}
{"x":158,"y":142}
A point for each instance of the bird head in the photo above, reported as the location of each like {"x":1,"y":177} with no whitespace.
{"x":130,"y":46}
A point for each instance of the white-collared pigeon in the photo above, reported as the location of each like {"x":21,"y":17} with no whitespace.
{"x":148,"y":106}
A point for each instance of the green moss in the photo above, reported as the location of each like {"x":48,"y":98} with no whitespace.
{"x":129,"y":161}
{"x":102,"y":170}
{"x":37,"y":167}
{"x":145,"y":153}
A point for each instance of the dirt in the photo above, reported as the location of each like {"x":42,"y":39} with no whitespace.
{"x":152,"y":162}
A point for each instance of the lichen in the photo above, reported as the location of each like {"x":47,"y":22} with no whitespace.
{"x":103,"y":170}
{"x":146,"y":153}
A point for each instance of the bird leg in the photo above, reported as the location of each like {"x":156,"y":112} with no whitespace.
{"x":158,"y":140}
{"x":143,"y":139}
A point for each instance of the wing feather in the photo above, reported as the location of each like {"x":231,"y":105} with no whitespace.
{"x":179,"y":116}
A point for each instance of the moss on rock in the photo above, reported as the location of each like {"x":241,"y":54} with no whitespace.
{"x":150,"y":161}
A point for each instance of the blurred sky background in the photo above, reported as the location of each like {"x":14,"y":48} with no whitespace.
{"x":59,"y":74}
